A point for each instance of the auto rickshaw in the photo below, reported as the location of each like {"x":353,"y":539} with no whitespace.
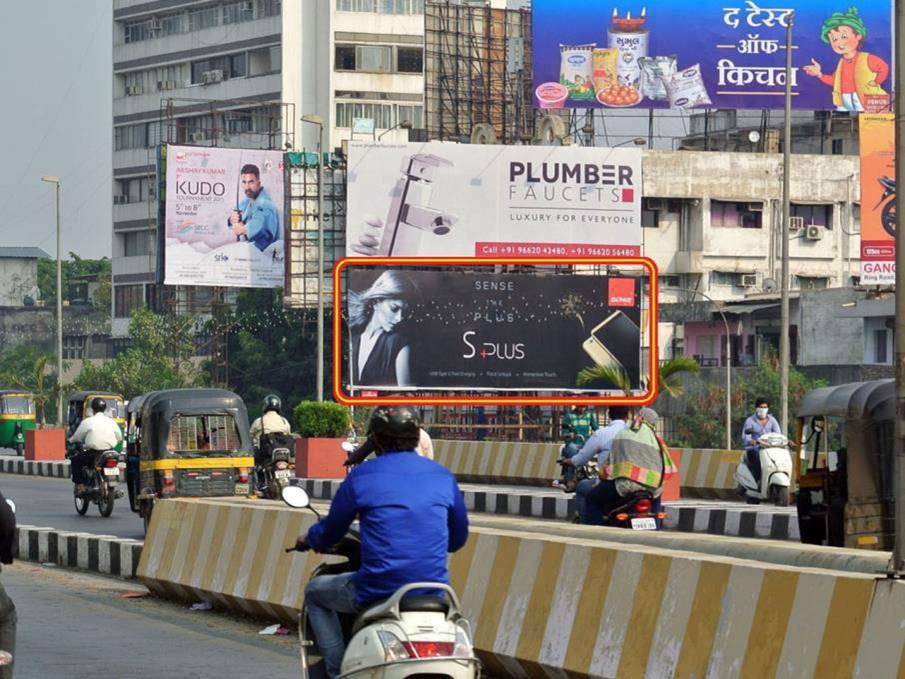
{"x":17,"y":415}
{"x":193,"y":443}
{"x":845,"y":472}
{"x":132,"y":438}
{"x":80,"y":408}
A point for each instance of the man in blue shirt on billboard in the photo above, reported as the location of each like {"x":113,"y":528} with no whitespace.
{"x":257,"y":216}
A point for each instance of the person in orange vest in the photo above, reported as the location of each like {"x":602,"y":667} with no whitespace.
{"x":858,"y":78}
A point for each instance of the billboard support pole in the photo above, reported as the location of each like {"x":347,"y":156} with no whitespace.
{"x":784,"y":357}
{"x":897,"y":566}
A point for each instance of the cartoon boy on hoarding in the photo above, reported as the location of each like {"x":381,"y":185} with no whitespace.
{"x":859,"y":75}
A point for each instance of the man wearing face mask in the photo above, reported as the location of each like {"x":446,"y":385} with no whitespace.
{"x":758,"y":424}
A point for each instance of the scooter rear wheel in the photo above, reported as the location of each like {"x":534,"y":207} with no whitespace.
{"x":81,"y":505}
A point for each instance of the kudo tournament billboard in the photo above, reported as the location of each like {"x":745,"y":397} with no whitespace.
{"x":464,"y":330}
{"x":712,"y":53}
{"x":878,"y":199}
{"x":224,"y":217}
{"x":446,"y":200}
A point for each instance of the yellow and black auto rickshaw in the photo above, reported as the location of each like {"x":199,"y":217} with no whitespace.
{"x":193,"y":443}
{"x":845,"y":471}
{"x":17,"y":416}
{"x":80,"y":408}
{"x":132,"y":438}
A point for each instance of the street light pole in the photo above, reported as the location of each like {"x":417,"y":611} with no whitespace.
{"x":728,"y":358}
{"x":898,"y":555}
{"x":56,"y":181}
{"x":317,"y":120}
{"x":784,"y":350}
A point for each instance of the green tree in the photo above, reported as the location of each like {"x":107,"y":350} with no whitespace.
{"x":73,"y":267}
{"x":669,"y":380}
{"x":161,"y":357}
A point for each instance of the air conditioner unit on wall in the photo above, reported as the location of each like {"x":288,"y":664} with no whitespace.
{"x":748,"y":280}
{"x":796,"y":223}
{"x":814,"y":232}
{"x":755,"y":207}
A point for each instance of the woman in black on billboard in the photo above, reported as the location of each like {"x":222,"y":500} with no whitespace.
{"x":380,"y":348}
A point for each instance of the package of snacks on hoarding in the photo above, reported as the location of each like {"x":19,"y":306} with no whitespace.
{"x":653,"y":71}
{"x":605,"y":61}
{"x":686,"y":88}
{"x":577,"y":71}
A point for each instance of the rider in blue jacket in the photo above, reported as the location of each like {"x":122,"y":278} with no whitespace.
{"x":411,"y":514}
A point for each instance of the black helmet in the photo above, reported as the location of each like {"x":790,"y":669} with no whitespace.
{"x":98,"y":405}
{"x":272,"y":402}
{"x":394,"y":428}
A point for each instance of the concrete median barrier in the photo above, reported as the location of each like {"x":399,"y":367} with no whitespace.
{"x":565,"y":605}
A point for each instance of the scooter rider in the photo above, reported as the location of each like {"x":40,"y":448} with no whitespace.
{"x":411,"y":515}
{"x":96,"y":434}
{"x":758,"y":424}
{"x":270,"y":422}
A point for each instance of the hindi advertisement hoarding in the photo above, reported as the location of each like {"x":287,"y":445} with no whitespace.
{"x":466,"y":200}
{"x":878,"y":199}
{"x":224,"y":217}
{"x":457,"y":330}
{"x":712,"y":54}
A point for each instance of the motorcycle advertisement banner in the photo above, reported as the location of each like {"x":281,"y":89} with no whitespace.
{"x":446,"y":200}
{"x":878,"y":198}
{"x":224,"y":217}
{"x":457,"y":330}
{"x":711,"y":54}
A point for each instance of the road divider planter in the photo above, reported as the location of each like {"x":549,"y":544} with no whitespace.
{"x":547,"y":604}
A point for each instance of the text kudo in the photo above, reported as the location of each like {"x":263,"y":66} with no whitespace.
{"x":576,"y":173}
{"x":190,"y":188}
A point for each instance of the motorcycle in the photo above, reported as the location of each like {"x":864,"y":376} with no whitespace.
{"x":274,"y":465}
{"x":405,"y":636}
{"x":588,"y":470}
{"x":640,"y":511}
{"x":775,"y":471}
{"x":102,"y":478}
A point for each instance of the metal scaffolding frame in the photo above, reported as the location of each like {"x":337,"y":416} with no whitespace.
{"x":477,"y":66}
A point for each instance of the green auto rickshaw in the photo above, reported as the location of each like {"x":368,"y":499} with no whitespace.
{"x":17,"y":416}
{"x":80,"y":408}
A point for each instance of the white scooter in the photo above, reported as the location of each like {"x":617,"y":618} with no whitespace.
{"x":405,"y":636}
{"x":775,"y":472}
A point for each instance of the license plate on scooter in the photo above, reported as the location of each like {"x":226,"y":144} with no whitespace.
{"x":283,"y":473}
{"x":111,"y":471}
{"x":648,"y":523}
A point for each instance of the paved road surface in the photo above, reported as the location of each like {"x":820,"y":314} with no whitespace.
{"x":76,"y":625}
{"x":42,"y":501}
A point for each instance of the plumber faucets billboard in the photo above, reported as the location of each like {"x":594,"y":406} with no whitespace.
{"x":441,"y":199}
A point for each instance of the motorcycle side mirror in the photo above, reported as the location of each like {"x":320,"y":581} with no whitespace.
{"x":295,"y":496}
{"x":817,"y":424}
{"x":348,"y":446}
{"x":12,"y":505}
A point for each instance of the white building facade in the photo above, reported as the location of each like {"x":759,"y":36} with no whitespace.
{"x":242,"y":73}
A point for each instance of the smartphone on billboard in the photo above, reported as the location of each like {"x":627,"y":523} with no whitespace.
{"x":616,"y":343}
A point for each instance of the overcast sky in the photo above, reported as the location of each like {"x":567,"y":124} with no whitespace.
{"x":57,"y":120}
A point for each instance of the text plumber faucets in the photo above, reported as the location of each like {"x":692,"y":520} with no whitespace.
{"x":408,"y":208}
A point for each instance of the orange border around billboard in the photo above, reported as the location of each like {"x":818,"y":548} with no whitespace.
{"x":653,"y":358}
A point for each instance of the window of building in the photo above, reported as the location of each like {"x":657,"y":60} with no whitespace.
{"x":171,"y":24}
{"x":811,"y":282}
{"x":126,"y":298}
{"x":237,"y":12}
{"x":205,"y":17}
{"x":409,"y":60}
{"x":384,"y":116}
{"x":74,"y":346}
{"x":264,"y":61}
{"x":137,"y":31}
{"x":228,"y":66}
{"x":345,"y":58}
{"x":136,"y":243}
{"x":736,"y":215}
{"x":838,"y":146}
{"x":723,"y":278}
{"x":374,"y":58}
{"x":880,"y":344}
{"x":820,"y":215}
{"x":856,"y":217}
{"x":650,"y":218}
{"x":382,"y":6}
{"x":130,"y":137}
{"x":668,"y":281}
